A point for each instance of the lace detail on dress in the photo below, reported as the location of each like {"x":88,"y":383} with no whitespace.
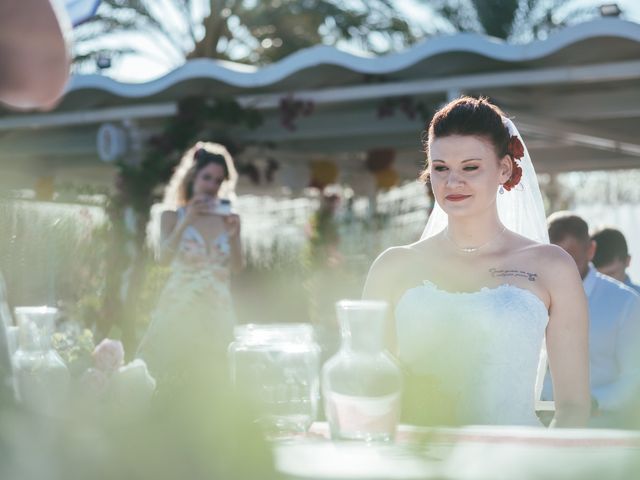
{"x":195,"y":312}
{"x":482,"y":348}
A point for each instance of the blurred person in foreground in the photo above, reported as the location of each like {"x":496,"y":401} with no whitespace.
{"x":614,"y":328}
{"x":612,"y":255}
{"x":34,"y":56}
{"x":200,"y":241}
{"x":34,"y":69}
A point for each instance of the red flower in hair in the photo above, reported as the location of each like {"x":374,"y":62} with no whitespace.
{"x":516,"y":150}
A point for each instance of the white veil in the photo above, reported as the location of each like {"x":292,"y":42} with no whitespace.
{"x":521,"y":209}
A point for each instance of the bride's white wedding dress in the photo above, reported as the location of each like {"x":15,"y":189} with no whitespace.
{"x":480,"y":349}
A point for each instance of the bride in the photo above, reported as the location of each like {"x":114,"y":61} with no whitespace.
{"x":478,"y":295}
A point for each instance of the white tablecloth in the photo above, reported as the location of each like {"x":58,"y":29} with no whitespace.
{"x":469,"y":453}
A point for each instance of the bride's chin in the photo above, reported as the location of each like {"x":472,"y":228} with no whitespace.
{"x":453,"y":208}
{"x":462,"y":212}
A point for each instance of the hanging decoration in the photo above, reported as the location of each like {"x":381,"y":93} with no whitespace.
{"x":386,"y":179}
{"x":323,"y":173}
{"x":380,"y":159}
{"x":409,"y":106}
{"x":380,"y":163}
{"x":292,"y":108}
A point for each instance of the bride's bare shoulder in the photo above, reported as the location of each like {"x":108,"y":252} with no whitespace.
{"x":399,"y":257}
{"x":393,"y":271}
{"x":548,"y":257}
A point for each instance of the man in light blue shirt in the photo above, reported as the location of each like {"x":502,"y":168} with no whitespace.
{"x":612,"y":255}
{"x":614,"y":326}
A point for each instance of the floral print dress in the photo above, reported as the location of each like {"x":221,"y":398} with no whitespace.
{"x":194,"y":318}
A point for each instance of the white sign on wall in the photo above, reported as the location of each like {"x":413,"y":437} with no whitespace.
{"x":111,"y":142}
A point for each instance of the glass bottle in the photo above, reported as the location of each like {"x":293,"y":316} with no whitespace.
{"x":42,"y":378}
{"x":277,"y":367}
{"x":362,"y":384}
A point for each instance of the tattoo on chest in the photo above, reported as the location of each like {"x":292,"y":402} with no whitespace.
{"x":496,"y":272}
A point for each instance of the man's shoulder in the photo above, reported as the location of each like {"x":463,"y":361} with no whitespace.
{"x":633,"y":286}
{"x":612,"y":287}
{"x":614,"y":300}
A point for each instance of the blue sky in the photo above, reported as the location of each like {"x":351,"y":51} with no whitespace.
{"x":136,"y":68}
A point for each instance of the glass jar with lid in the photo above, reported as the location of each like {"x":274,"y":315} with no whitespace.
{"x":277,"y":367}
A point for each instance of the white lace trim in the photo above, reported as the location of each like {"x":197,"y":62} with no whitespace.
{"x":483,"y":347}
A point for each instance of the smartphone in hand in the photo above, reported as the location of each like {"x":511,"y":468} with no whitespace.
{"x":219,"y":206}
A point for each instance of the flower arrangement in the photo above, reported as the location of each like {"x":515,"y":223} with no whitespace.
{"x":110,"y":378}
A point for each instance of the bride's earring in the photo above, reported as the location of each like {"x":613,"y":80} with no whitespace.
{"x":501,"y":190}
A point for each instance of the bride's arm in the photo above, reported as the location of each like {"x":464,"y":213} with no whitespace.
{"x":382,"y":283}
{"x":568,"y":340}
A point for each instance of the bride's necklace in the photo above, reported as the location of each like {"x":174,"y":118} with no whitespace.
{"x":472,"y":249}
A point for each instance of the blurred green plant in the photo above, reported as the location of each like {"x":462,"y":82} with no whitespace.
{"x":75,"y":348}
{"x":201,"y":430}
{"x":54,"y":253}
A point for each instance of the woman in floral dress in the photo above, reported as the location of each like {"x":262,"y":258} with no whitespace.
{"x":193,"y":321}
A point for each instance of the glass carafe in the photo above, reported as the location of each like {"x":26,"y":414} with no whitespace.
{"x":362,"y":383}
{"x":277,"y":366}
{"x":42,"y":378}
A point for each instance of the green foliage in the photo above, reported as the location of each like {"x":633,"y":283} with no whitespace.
{"x":154,"y":280}
{"x":75,"y":348}
{"x":294,"y":24}
{"x":245,"y":31}
{"x":54,"y":253}
{"x":497,"y":17}
{"x":513,"y":20}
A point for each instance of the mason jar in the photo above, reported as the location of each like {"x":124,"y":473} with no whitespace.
{"x":276,"y":366}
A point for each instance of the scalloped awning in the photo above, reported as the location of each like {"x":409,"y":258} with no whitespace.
{"x":323,"y":67}
{"x":575,"y":95}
